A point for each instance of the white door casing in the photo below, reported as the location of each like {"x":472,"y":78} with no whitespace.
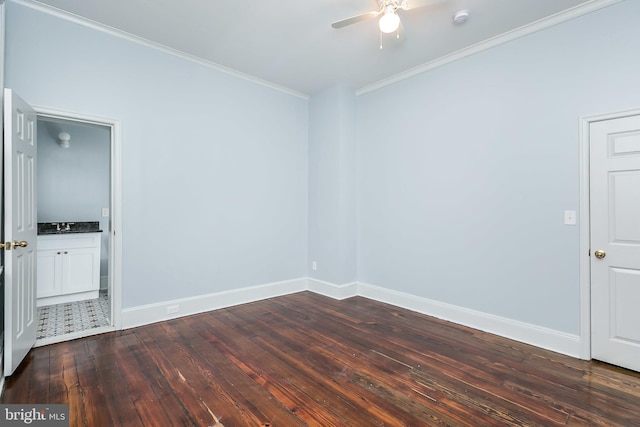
{"x":115,"y":237}
{"x":20,"y":229}
{"x":615,"y":230}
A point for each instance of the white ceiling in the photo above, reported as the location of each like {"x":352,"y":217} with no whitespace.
{"x":291,"y":43}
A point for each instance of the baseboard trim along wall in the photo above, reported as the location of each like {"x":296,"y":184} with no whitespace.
{"x":538,"y":336}
{"x":152,"y":313}
{"x":331,"y":290}
{"x":550,"y":339}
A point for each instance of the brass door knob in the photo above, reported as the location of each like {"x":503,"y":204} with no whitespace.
{"x":600,"y":254}
{"x":22,"y":244}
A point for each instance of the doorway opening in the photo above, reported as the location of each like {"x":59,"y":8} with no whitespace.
{"x":78,"y":212}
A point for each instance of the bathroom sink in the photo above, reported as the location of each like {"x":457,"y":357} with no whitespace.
{"x":68,"y":227}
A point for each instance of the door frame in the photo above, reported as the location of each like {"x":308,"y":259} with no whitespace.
{"x":585,"y":226}
{"x":115,"y":234}
{"x":2,"y":49}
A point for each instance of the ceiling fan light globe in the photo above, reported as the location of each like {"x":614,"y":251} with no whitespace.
{"x":389,"y":22}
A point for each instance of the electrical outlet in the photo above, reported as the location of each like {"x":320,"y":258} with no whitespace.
{"x":314,"y":265}
{"x":569,"y":217}
{"x":171,"y":309}
{"x":105,"y":212}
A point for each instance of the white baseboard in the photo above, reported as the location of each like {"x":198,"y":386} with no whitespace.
{"x":151,"y":313}
{"x":331,"y":290}
{"x":538,"y":336}
{"x":550,"y":339}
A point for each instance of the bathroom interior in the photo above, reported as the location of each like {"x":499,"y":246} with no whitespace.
{"x":74,"y":206}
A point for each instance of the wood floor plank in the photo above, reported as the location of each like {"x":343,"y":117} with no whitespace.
{"x":147,"y":391}
{"x":358,"y":372}
{"x":277,"y":375}
{"x":65,"y":385}
{"x":245,"y":392}
{"x":32,"y":371}
{"x":101,"y":361}
{"x":463,"y":368}
{"x":40,"y":365}
{"x":464,"y":374}
{"x":304,"y":359}
{"x":194,"y":375}
{"x":170,"y":365}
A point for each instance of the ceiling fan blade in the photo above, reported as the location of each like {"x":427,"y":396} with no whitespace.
{"x":415,"y":4}
{"x":355,"y":19}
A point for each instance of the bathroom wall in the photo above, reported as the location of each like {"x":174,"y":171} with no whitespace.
{"x":74,"y":182}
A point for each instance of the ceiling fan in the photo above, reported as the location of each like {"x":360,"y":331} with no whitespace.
{"x":389,"y":21}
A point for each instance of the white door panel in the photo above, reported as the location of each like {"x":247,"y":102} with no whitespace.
{"x":20,"y":229}
{"x":615,"y":230}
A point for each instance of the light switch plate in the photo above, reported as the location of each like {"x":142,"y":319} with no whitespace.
{"x":570,"y":218}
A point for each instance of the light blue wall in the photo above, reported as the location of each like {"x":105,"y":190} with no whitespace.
{"x":74,"y":182}
{"x":214,"y":167}
{"x":464,"y":171}
{"x":332,"y":186}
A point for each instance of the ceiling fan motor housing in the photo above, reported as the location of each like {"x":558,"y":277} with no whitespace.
{"x":385,"y":4}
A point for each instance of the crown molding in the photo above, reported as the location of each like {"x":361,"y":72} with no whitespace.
{"x":531,"y":28}
{"x":59,"y":13}
{"x":539,"y":25}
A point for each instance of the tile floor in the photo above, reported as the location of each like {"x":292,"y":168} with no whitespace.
{"x":61,"y":319}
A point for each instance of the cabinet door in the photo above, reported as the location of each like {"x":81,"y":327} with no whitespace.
{"x":80,"y":272}
{"x":49,"y":273}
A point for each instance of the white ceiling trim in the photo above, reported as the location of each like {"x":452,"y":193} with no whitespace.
{"x":153,"y":45}
{"x":492,"y":42}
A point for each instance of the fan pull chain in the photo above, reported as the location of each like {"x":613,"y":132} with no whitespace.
{"x":380,"y":40}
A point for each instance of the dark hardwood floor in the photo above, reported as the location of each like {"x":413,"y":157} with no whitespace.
{"x":304,"y":359}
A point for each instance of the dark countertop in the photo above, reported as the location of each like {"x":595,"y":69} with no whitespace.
{"x":68,"y":227}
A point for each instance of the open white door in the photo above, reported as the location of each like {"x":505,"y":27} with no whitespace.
{"x":615,"y":241}
{"x":20,"y":230}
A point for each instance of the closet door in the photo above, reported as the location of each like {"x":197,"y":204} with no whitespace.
{"x":615,"y":241}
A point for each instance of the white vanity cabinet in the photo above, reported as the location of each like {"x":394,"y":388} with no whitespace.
{"x":68,"y":267}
